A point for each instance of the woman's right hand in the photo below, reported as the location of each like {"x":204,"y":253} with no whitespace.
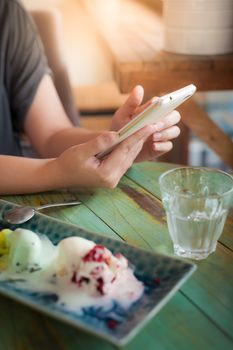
{"x":79,"y":167}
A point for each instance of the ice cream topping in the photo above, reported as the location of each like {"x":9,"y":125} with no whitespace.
{"x":80,"y":272}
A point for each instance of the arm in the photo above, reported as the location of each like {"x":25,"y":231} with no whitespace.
{"x":69,"y":152}
{"x":57,"y":134}
{"x":25,"y":175}
{"x":47,"y":126}
{"x":75,"y":167}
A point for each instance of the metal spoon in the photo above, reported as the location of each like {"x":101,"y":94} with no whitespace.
{"x":22,"y":214}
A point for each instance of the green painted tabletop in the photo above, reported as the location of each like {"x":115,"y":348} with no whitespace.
{"x":199,"y":316}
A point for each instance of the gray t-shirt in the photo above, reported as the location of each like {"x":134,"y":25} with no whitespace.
{"x":22,"y":66}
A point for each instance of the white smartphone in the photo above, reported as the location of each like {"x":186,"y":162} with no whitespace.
{"x":156,"y":111}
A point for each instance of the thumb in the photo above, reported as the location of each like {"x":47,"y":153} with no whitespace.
{"x":133,"y":101}
{"x":100,"y":143}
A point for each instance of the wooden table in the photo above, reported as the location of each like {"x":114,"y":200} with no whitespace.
{"x":133,"y":34}
{"x":199,"y":316}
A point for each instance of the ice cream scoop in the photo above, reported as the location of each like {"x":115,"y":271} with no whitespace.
{"x":27,"y":251}
{"x":22,"y":214}
{"x":78,"y":271}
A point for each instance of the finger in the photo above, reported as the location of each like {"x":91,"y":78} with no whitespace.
{"x":169,"y":120}
{"x":147,"y":152}
{"x":133,"y":101}
{"x":128,"y":150}
{"x":131,"y":141}
{"x":141,"y":108}
{"x":167,"y":134}
{"x":99,"y":144}
{"x":128,"y":160}
{"x":162,"y":147}
{"x":110,"y":172}
{"x":123,"y":156}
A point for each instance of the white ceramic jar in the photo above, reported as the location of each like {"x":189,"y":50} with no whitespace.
{"x":203,"y":27}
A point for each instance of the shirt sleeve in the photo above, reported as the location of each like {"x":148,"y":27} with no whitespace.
{"x":28,"y":64}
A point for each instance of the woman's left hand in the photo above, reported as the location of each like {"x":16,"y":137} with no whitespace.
{"x":167,"y":130}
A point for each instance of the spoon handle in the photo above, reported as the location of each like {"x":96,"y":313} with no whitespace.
{"x":51,"y":205}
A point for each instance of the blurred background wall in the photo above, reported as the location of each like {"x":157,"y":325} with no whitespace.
{"x":86,"y":57}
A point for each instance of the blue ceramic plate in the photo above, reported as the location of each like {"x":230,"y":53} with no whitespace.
{"x":162,"y":275}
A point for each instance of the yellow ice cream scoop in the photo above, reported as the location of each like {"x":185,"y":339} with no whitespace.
{"x":4,"y":248}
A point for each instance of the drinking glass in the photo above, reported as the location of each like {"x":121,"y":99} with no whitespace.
{"x":197,"y":201}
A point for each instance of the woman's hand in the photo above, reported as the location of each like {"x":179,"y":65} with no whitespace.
{"x":165,"y":130}
{"x":79,"y":167}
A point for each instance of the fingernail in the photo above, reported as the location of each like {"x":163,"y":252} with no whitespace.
{"x":157,"y":147}
{"x":154,"y":99}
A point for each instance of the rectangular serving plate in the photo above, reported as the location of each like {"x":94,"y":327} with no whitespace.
{"x":162,"y":276}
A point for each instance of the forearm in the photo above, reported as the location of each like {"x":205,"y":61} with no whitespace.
{"x":47,"y":126}
{"x":65,"y":138}
{"x":25,"y":175}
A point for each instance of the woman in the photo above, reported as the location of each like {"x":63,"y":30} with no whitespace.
{"x":29,"y":103}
